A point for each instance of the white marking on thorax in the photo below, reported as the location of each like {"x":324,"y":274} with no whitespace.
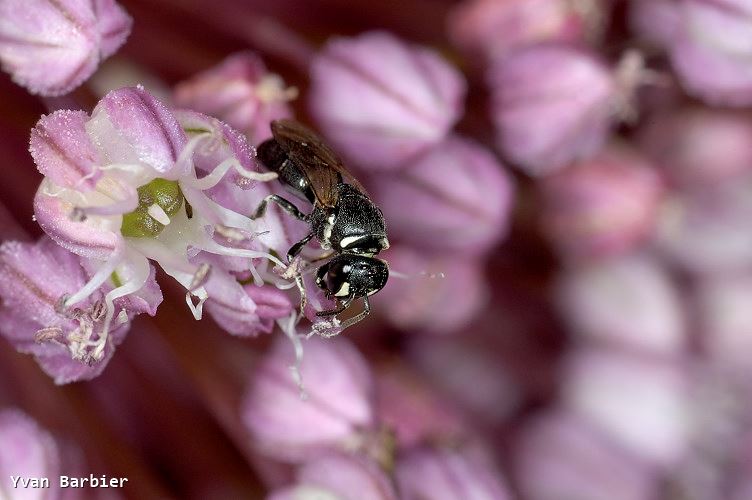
{"x":328,"y":230}
{"x":347,"y":242}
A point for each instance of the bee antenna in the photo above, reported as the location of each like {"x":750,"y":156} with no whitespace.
{"x":421,"y":274}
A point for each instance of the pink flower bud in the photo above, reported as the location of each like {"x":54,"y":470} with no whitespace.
{"x":335,"y":405}
{"x":446,"y":474}
{"x":426,"y":297}
{"x":338,"y":476}
{"x":53,"y":47}
{"x":241,"y":92}
{"x":726,"y":319}
{"x":700,"y":147}
{"x":629,"y":301}
{"x":707,"y":231}
{"x":27,"y":451}
{"x":456,"y":196}
{"x":408,"y":407}
{"x":641,"y":403}
{"x":381,"y":101}
{"x":605,"y":205}
{"x":708,"y":43}
{"x":560,"y":456}
{"x":471,"y":372}
{"x":552,"y":105}
{"x":34,"y":319}
{"x":494,"y":28}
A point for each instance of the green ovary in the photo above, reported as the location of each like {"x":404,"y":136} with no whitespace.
{"x":161,"y":192}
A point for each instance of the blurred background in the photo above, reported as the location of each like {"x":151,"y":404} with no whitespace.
{"x":568,"y":191}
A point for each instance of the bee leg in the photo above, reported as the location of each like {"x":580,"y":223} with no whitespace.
{"x":303,"y":299}
{"x":297,"y":247}
{"x":283,"y":203}
{"x":360,"y":316}
{"x":333,"y":312}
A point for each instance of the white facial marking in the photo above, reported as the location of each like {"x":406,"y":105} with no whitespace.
{"x":344,"y":290}
{"x":347,"y":242}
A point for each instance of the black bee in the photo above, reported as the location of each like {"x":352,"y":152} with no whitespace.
{"x":344,"y":220}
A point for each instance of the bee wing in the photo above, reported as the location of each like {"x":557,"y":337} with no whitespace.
{"x":320,"y":165}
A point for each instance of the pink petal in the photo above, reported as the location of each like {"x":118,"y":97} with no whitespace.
{"x":130,"y":125}
{"x":444,"y":474}
{"x":63,"y":151}
{"x":54,"y":216}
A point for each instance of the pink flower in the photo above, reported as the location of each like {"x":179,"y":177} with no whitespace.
{"x":494,"y":28}
{"x":454,"y":197}
{"x":241,"y":92}
{"x":27,"y":451}
{"x":629,"y":301}
{"x":338,"y":476}
{"x":425,"y":298}
{"x":641,"y":402}
{"x":698,"y":147}
{"x":726,"y":319}
{"x":380,"y":101}
{"x":34,"y":320}
{"x":335,"y":403}
{"x":603,"y":206}
{"x":552,"y":105}
{"x":446,"y":474}
{"x":561,"y":456}
{"x":53,"y":47}
{"x":707,"y":230}
{"x":121,"y":188}
{"x":708,"y":43}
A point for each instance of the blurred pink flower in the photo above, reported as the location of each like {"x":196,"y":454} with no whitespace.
{"x":338,"y":476}
{"x":410,"y":409}
{"x":380,"y":100}
{"x":494,"y":28}
{"x":333,"y":412}
{"x":707,"y":231}
{"x":560,"y":456}
{"x":697,"y":147}
{"x":32,"y":317}
{"x":240,"y":91}
{"x":426,"y":297}
{"x":447,"y":474}
{"x":552,"y":104}
{"x":122,"y":188}
{"x":726,"y":319}
{"x":640,"y":402}
{"x":605,"y":205}
{"x":53,"y":47}
{"x":454,"y":197}
{"x":630,"y":301}
{"x":708,"y":43}
{"x":27,"y":451}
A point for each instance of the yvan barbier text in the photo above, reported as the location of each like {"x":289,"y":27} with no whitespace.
{"x":21,"y":482}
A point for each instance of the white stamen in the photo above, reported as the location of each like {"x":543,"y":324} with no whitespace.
{"x":158,"y":214}
{"x":102,"y":275}
{"x":212,"y":179}
{"x":197,"y":309}
{"x":287,"y":325}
